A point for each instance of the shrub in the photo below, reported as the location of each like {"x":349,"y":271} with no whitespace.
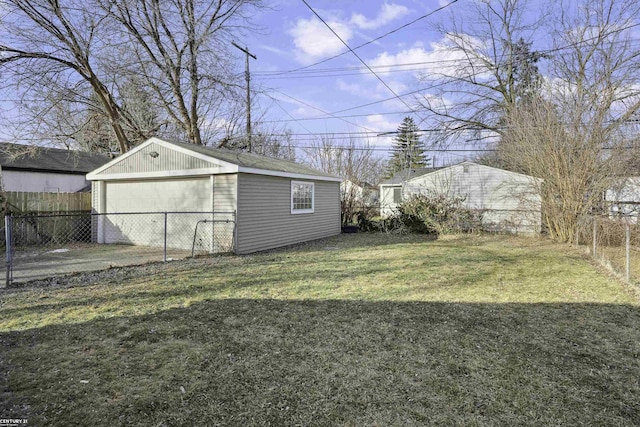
{"x":438,"y":213}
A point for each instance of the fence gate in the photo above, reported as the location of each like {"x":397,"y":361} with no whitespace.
{"x":44,"y":246}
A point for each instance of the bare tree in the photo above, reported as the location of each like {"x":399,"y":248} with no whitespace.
{"x":488,"y":64}
{"x":180,"y":48}
{"x":575,"y":135}
{"x":56,"y":41}
{"x":77,"y":54}
{"x":357,"y":164}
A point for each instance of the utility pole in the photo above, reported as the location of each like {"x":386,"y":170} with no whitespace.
{"x":248,"y":79}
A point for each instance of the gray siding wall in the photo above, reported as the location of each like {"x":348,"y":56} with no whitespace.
{"x":264,"y":213}
{"x":225,"y":193}
{"x":167,"y":160}
{"x":225,"y":197}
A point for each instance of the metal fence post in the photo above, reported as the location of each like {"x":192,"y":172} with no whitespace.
{"x":8,"y":224}
{"x":165,"y":237}
{"x":595,"y":226}
{"x":235,"y":232}
{"x":628,"y":250}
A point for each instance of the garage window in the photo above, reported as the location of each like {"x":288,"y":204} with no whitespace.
{"x":302,"y":197}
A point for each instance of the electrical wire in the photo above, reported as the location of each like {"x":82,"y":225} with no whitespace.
{"x":395,"y":30}
{"x":358,"y":56}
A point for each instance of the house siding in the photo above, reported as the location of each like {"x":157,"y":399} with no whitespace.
{"x":39,"y":182}
{"x":166,"y":195}
{"x":225,"y":193}
{"x":264,"y":213}
{"x":510,"y":201}
{"x":168,"y":159}
{"x":387,"y":204}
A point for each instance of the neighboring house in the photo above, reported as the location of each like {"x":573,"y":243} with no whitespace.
{"x":44,"y":169}
{"x":362,"y":192}
{"x":623,"y":199}
{"x":277,"y":202}
{"x":510,"y":201}
{"x":390,"y":194}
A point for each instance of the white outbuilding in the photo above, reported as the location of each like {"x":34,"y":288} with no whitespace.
{"x":272,"y":202}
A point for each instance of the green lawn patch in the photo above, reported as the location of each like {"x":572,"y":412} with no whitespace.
{"x":354,"y":330}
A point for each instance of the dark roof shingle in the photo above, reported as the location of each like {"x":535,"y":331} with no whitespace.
{"x":250,"y":160}
{"x":34,"y":158}
{"x":406,"y":174}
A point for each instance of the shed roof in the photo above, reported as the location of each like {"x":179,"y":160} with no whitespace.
{"x":485,"y":167}
{"x":251,"y":160}
{"x":47,"y":159}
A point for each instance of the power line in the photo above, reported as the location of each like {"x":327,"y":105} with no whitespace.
{"x":324,"y":112}
{"x":395,"y":30}
{"x":277,"y":102}
{"x":339,"y":69}
{"x":444,"y":83}
{"x":357,"y":56}
{"x":388,"y":113}
{"x":336,"y":71}
{"x":344,"y":74}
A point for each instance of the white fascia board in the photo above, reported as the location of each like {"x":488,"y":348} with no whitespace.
{"x":166,"y":174}
{"x":255,"y":171}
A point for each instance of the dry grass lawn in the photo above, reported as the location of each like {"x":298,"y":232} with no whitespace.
{"x":355,"y":330}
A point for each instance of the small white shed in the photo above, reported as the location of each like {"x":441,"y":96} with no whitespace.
{"x":510,"y":201}
{"x":275,"y":202}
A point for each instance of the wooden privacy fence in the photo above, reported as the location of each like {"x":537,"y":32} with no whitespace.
{"x":21,"y":202}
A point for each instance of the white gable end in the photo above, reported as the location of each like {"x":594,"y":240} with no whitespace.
{"x":156,"y":158}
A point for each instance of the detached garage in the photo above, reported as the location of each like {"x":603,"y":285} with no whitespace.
{"x":272,"y":202}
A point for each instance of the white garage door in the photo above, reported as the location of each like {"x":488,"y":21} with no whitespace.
{"x":176,"y":195}
{"x":134,"y":213}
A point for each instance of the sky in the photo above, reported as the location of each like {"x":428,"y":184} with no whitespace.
{"x":299,"y":81}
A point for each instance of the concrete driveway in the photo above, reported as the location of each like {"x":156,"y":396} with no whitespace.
{"x":37,"y":263}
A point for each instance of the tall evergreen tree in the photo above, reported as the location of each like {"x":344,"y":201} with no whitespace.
{"x":409,"y":150}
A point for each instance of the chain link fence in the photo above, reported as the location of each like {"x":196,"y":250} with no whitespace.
{"x":615,"y":242}
{"x":44,"y":246}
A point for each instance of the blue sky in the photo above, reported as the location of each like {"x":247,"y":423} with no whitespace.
{"x":295,"y":90}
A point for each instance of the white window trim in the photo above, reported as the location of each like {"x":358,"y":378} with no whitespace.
{"x":313,"y":198}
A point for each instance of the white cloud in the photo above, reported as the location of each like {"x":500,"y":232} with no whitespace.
{"x":381,"y":123}
{"x":444,"y":58}
{"x":388,"y":13}
{"x":314,"y":40}
{"x":396,"y":85}
{"x":303,"y":112}
{"x":275,"y":50}
{"x":355,"y":89}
